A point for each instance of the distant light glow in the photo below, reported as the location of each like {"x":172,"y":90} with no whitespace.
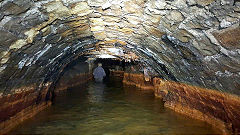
{"x":106,"y":56}
{"x":115,"y":51}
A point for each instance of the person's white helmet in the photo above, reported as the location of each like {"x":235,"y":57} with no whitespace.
{"x":99,"y":64}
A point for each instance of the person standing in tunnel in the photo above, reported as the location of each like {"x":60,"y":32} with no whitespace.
{"x":99,"y":73}
{"x":146,"y":73}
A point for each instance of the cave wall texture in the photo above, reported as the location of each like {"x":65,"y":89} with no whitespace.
{"x":216,"y":108}
{"x":190,"y":41}
{"x":75,"y":74}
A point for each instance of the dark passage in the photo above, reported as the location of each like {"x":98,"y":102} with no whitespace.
{"x":110,"y":108}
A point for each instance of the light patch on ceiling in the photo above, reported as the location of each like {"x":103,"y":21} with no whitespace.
{"x":106,"y":56}
{"x":110,"y":53}
{"x":115,"y":51}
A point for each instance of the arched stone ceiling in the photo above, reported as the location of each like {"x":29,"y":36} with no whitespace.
{"x":191,"y":41}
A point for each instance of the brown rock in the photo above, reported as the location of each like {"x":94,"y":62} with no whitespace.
{"x":137,"y":80}
{"x":11,"y":8}
{"x":154,"y":31}
{"x":7,"y":38}
{"x":216,"y":108}
{"x":57,"y":9}
{"x":175,"y":16}
{"x":132,"y":7}
{"x":115,"y":10}
{"x":204,"y":2}
{"x":81,"y":9}
{"x":110,"y":19}
{"x":183,"y":35}
{"x":96,"y":21}
{"x":100,"y":35}
{"x":126,"y":30}
{"x":46,"y":30}
{"x":133,"y":20}
{"x":229,"y":38}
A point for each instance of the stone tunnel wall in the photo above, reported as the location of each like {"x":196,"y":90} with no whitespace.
{"x":190,"y":41}
{"x":78,"y":74}
{"x":22,"y":105}
{"x":26,"y":101}
{"x":221,"y":110}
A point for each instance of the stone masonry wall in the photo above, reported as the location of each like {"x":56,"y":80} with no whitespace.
{"x":218,"y":109}
{"x":77,"y":74}
{"x":137,"y":80}
{"x":22,"y":105}
{"x":190,"y":41}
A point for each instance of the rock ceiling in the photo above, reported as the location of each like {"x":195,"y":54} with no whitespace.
{"x":190,"y":41}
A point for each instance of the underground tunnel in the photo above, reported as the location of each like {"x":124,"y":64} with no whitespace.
{"x":172,"y":66}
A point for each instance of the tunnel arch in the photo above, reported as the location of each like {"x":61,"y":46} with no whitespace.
{"x":188,"y":41}
{"x":181,"y":37}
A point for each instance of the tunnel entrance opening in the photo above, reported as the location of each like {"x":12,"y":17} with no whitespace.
{"x":82,"y":68}
{"x":110,"y":108}
{"x":117,"y":67}
{"x":110,"y":65}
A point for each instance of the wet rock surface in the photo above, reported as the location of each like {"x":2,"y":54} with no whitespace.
{"x":77,"y":74}
{"x":138,"y":81}
{"x":189,"y":41}
{"x":22,"y":105}
{"x":216,"y":108}
{"x":180,"y":37}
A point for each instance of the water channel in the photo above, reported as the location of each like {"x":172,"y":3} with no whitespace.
{"x":110,"y":108}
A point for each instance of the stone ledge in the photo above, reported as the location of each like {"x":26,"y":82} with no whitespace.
{"x":117,"y":73}
{"x":137,"y":80}
{"x":77,"y":80}
{"x":23,"y":104}
{"x":25,"y":114}
{"x":221,"y":110}
{"x":27,"y":102}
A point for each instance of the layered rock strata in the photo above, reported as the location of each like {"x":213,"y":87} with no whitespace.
{"x":191,"y":41}
{"x":117,"y":73}
{"x":222,"y":110}
{"x":22,"y":105}
{"x":76,"y":80}
{"x":138,"y":81}
{"x":178,"y":38}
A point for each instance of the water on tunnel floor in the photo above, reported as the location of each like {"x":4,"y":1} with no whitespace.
{"x":111,"y":109}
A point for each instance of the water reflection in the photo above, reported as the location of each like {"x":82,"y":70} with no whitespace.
{"x":96,"y":93}
{"x":111,"y":109}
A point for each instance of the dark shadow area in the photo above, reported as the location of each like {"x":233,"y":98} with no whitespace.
{"x":118,"y":65}
{"x":109,"y":65}
{"x":71,"y":75}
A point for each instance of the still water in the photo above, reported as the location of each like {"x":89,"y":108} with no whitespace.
{"x":110,"y":109}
